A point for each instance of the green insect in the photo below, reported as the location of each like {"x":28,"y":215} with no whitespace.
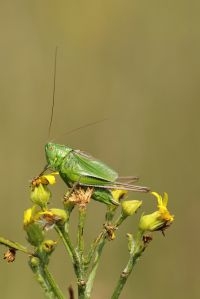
{"x":75,"y":166}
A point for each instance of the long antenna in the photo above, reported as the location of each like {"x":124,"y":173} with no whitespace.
{"x":54,"y":90}
{"x":85,"y":126}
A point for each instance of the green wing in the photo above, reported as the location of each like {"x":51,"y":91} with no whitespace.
{"x":78,"y":166}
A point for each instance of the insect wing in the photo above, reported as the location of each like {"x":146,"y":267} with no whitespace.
{"x":87,"y":166}
{"x":96,"y":168}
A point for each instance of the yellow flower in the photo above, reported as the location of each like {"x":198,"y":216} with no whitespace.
{"x":34,"y":232}
{"x":162,"y":207}
{"x":29,"y":215}
{"x":40,"y":194}
{"x":51,"y":178}
{"x":44,"y":180}
{"x":160,"y":219}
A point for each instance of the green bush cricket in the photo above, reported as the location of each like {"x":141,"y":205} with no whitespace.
{"x":76,"y":167}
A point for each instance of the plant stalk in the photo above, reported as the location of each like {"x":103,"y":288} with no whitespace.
{"x":54,"y":287}
{"x":136,"y":251}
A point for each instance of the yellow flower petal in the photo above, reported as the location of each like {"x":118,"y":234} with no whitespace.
{"x":50,"y":178}
{"x":118,"y":194}
{"x":29,"y":215}
{"x":165,"y":199}
{"x":158,"y":196}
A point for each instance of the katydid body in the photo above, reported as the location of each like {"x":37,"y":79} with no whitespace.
{"x":75,"y":166}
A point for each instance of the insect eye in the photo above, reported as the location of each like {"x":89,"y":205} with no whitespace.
{"x":51,"y":147}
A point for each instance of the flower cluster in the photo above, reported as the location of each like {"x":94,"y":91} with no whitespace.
{"x":41,"y":217}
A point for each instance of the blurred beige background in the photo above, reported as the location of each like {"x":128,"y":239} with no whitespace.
{"x":136,"y":63}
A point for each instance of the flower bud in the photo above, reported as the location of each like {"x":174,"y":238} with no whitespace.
{"x":129,"y":207}
{"x":48,"y":246}
{"x":118,"y":194}
{"x":34,"y":261}
{"x":150,"y":222}
{"x":44,"y":251}
{"x":40,"y":195}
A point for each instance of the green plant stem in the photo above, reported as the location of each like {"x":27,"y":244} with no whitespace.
{"x":45,"y":279}
{"x":120,"y":219}
{"x":110,"y":214}
{"x":108,"y":218}
{"x":41,"y":278}
{"x":135,"y":253}
{"x":93,"y":248}
{"x":14,"y":245}
{"x":81,"y":223}
{"x":54,"y":287}
{"x":70,"y":249}
{"x":97,"y":254}
{"x":80,"y":249}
